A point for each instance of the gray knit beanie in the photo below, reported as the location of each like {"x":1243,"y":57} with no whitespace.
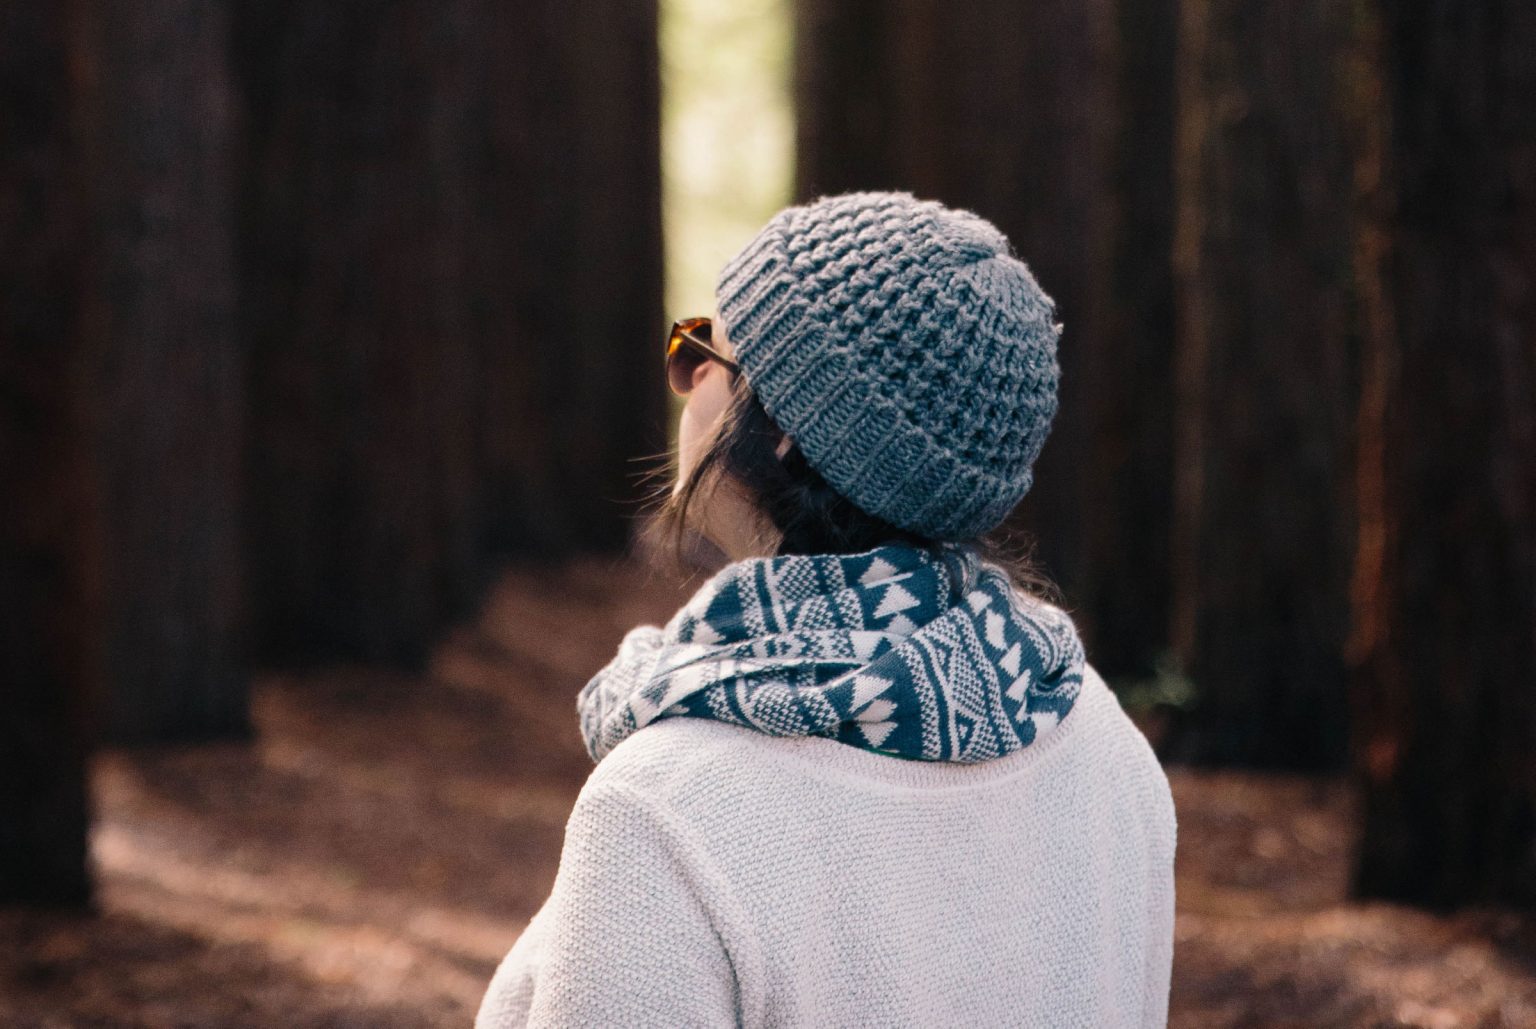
{"x":905,"y":350}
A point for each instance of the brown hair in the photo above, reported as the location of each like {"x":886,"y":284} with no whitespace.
{"x":808,"y":514}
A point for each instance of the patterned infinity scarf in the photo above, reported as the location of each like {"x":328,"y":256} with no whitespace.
{"x":922,"y":654}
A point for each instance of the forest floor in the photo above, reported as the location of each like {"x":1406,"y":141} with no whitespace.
{"x":371,"y":856}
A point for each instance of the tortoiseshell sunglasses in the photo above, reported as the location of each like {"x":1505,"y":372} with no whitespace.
{"x":687,"y":348}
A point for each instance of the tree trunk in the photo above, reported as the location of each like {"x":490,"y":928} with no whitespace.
{"x":1047,"y":120}
{"x":1265,"y":382}
{"x":48,"y":615}
{"x":1126,"y":570}
{"x":1444,"y":633}
{"x":452,"y":254}
{"x":169,"y":381}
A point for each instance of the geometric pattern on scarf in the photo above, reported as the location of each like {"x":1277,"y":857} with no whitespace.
{"x":925,"y":654}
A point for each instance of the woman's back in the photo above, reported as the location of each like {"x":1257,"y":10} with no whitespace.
{"x":713,"y":875}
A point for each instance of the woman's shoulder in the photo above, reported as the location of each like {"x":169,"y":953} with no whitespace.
{"x":671,"y":753}
{"x":695,"y":783}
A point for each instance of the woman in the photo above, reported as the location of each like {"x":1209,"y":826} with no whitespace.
{"x":863,"y":777}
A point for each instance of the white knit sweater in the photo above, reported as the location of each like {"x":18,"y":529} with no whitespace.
{"x":714,"y":876}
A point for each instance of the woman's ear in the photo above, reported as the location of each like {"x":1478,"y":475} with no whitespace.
{"x":783,"y":447}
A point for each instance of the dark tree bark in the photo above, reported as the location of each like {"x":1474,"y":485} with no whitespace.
{"x":1444,"y":635}
{"x":1126,"y":573}
{"x":1052,"y":120}
{"x":1265,"y":382}
{"x":169,"y":381}
{"x":48,"y":613}
{"x":452,"y":258}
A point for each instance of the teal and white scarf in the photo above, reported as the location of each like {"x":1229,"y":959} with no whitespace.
{"x":923,"y":654}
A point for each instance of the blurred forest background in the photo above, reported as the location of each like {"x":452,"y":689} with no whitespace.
{"x":330,"y":364}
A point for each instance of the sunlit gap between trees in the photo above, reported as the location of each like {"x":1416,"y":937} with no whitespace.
{"x":727,"y":136}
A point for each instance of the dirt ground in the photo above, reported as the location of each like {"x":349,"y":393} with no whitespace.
{"x":372,"y":856}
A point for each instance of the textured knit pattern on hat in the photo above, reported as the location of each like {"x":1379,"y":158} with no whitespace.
{"x":905,"y":349}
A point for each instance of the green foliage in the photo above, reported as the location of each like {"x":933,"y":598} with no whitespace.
{"x":1167,"y":687}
